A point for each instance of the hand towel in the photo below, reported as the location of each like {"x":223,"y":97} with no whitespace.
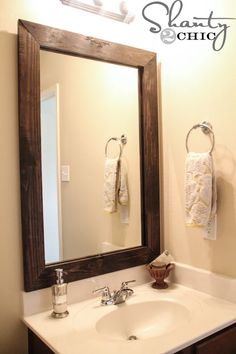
{"x":116,"y":187}
{"x":123,"y":194}
{"x":111,"y":175}
{"x":200,"y":189}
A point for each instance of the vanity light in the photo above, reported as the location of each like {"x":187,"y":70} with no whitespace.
{"x":115,"y":10}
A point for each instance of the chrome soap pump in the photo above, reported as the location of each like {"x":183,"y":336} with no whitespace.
{"x":59,"y":296}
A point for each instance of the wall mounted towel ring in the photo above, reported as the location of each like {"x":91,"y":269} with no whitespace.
{"x":206,"y":129}
{"x":121,"y":141}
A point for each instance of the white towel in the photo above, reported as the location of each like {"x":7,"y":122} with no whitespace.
{"x":115,"y":185}
{"x":200,"y":190}
{"x":123,"y":194}
{"x":111,"y":174}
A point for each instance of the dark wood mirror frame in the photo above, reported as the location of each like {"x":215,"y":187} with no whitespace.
{"x":33,"y":37}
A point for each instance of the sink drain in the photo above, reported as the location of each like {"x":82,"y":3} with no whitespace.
{"x":132,"y":338}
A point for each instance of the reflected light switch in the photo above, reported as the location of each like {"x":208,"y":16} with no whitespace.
{"x":65,"y":173}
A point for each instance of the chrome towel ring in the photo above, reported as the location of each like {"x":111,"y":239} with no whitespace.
{"x":121,"y":141}
{"x":206,"y":129}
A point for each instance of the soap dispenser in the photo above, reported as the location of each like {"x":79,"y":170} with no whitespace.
{"x":59,"y":296}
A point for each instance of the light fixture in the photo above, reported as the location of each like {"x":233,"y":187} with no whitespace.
{"x":115,"y":10}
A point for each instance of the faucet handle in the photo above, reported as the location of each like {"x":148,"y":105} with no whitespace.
{"x":124,"y":284}
{"x":105,"y":290}
{"x":106,"y":294}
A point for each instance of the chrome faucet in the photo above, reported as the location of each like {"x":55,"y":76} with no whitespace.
{"x":117,"y":296}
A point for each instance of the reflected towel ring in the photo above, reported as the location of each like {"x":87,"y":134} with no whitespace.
{"x":121,"y":141}
{"x":120,"y":146}
{"x":206,"y":129}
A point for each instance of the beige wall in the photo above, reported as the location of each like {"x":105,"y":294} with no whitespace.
{"x":197,"y":84}
{"x":12,"y":332}
{"x":96,"y":101}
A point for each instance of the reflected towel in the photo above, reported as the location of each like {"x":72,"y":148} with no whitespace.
{"x":123,"y":194}
{"x":111,"y":174}
{"x":115,"y":185}
{"x":200,"y":189}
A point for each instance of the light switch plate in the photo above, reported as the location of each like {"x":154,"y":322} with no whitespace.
{"x":65,"y":173}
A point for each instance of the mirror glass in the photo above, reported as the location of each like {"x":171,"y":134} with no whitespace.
{"x":84,"y":103}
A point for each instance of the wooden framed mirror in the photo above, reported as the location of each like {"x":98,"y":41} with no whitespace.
{"x":32,"y":40}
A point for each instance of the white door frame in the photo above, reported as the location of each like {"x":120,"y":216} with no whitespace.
{"x":45,"y":94}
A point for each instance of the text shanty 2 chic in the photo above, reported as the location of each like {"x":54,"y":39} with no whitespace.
{"x":210,"y":28}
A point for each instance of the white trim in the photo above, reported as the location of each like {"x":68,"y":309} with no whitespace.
{"x":45,"y":94}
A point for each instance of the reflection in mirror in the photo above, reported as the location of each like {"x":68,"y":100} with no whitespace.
{"x":85,"y":102}
{"x":50,"y":146}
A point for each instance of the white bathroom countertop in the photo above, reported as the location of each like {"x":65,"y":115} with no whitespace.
{"x":77,"y":332}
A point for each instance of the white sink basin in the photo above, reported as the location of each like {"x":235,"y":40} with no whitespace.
{"x":162,"y":321}
{"x":142,"y":320}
